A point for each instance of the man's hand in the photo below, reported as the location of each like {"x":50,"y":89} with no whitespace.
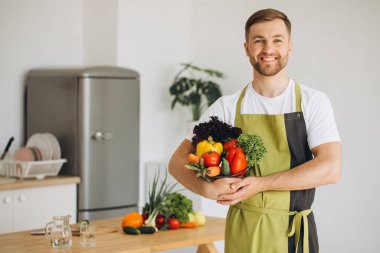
{"x":220,"y":187}
{"x":245,"y":189}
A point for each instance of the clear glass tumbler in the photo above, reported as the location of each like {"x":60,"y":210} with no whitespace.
{"x":87,"y":235}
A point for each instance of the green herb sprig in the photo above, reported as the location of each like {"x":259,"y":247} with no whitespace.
{"x":253,"y":148}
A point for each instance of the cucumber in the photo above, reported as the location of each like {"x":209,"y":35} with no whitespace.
{"x":147,"y":229}
{"x":225,"y":167}
{"x":84,"y":222}
{"x":131,"y":231}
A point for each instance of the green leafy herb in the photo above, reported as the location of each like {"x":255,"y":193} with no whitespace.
{"x":253,"y":148}
{"x":178,"y":205}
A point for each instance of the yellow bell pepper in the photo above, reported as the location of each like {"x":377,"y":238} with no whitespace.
{"x":209,"y":145}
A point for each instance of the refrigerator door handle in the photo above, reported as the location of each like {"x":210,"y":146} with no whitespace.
{"x":100,"y":136}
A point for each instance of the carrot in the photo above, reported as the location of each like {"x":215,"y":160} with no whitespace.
{"x":213,"y":171}
{"x":193,"y":158}
{"x":189,"y":224}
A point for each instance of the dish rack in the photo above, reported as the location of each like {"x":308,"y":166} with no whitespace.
{"x":35,"y":169}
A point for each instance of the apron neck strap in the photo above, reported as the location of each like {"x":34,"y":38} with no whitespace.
{"x":238,"y":105}
{"x":298,"y":98}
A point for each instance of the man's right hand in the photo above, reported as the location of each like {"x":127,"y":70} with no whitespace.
{"x":219,"y":187}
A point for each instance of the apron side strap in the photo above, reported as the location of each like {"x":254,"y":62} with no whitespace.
{"x":295,"y":228}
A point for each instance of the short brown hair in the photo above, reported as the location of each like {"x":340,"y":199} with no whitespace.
{"x":264,"y":16}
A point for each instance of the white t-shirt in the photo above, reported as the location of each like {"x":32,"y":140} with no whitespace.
{"x":316,"y":107}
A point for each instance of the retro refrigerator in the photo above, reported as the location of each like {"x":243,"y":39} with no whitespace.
{"x":94,"y":113}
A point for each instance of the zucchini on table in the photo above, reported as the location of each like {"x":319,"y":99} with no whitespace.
{"x":139,"y":230}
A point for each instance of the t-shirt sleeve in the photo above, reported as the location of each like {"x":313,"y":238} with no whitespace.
{"x":216,"y":109}
{"x":321,"y":122}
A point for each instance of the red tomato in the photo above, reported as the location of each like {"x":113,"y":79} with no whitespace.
{"x":160,"y":221}
{"x":211,"y":159}
{"x":174,"y":223}
{"x":230,"y":144}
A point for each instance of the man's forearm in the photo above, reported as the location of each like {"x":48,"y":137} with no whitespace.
{"x":323,"y":169}
{"x":184,"y":176}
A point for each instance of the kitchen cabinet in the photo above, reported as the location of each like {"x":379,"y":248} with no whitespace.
{"x":32,"y":208}
{"x":6,"y":208}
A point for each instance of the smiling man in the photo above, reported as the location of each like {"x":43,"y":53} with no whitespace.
{"x":264,"y":61}
{"x":270,"y":208}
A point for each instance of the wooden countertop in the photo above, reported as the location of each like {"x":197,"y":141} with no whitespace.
{"x":48,"y":181}
{"x":113,"y":240}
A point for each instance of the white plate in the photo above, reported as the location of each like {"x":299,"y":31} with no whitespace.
{"x":43,"y":144}
{"x":55,"y":145}
{"x":47,"y":149}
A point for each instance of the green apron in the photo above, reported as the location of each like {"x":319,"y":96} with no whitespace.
{"x":274,"y":221}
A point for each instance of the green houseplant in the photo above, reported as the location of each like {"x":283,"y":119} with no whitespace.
{"x":195,"y":87}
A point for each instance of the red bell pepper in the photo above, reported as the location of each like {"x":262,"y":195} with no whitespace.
{"x":236,"y":159}
{"x":230,"y":144}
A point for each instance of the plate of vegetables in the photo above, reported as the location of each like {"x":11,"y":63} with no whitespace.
{"x":221,"y":150}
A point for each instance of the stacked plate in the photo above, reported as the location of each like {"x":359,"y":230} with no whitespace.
{"x":39,"y":158}
{"x":44,"y":146}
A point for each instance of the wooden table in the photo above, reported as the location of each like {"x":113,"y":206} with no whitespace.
{"x":111,"y":239}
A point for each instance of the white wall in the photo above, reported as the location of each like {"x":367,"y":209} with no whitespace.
{"x":100,"y":32}
{"x":153,"y":38}
{"x":38,"y":33}
{"x":345,"y":66}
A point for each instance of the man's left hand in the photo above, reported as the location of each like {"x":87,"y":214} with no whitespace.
{"x":247,"y":187}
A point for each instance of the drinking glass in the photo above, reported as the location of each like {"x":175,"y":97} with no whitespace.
{"x":87,"y":235}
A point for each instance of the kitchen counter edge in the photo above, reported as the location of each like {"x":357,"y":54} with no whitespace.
{"x":32,"y":183}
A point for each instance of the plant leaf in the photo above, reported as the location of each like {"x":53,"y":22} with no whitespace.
{"x":193,"y":91}
{"x":195,"y":98}
{"x":214,"y":73}
{"x":212,"y":92}
{"x":174,"y":102}
{"x":180,"y":86}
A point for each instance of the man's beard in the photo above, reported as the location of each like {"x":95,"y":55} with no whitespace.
{"x":269,"y":69}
